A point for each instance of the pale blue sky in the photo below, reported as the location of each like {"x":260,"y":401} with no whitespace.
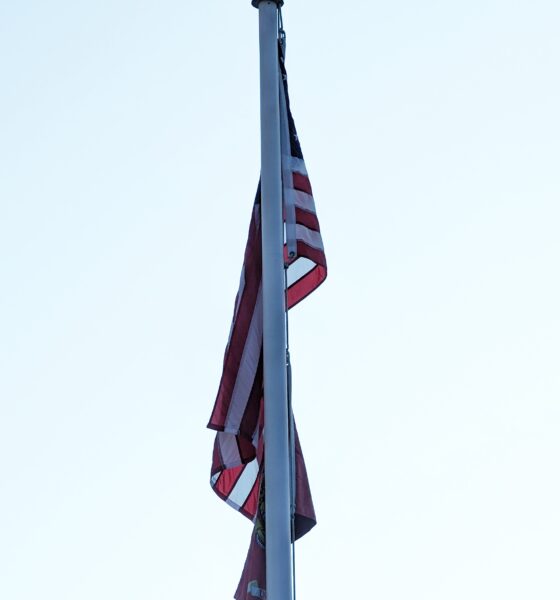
{"x":427,"y":387}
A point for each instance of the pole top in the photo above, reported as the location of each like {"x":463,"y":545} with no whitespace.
{"x":256,"y":3}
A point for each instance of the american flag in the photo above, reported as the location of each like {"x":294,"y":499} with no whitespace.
{"x":237,"y":473}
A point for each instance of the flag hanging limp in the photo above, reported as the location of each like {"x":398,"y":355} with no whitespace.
{"x":237,"y":474}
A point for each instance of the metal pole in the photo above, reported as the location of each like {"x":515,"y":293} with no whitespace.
{"x":277,"y":460}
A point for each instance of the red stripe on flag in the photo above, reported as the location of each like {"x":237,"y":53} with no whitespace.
{"x":302,"y":183}
{"x":306,"y":218}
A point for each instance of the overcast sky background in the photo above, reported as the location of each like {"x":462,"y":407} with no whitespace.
{"x":426,"y":368}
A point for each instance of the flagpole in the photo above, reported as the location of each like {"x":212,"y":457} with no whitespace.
{"x":277,"y":459}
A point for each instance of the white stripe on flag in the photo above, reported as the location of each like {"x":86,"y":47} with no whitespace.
{"x":244,"y":485}
{"x":247,"y":368}
{"x":229,"y":450}
{"x":299,"y":269}
{"x":310,"y":237}
{"x":296,"y":164}
{"x":305,"y":201}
